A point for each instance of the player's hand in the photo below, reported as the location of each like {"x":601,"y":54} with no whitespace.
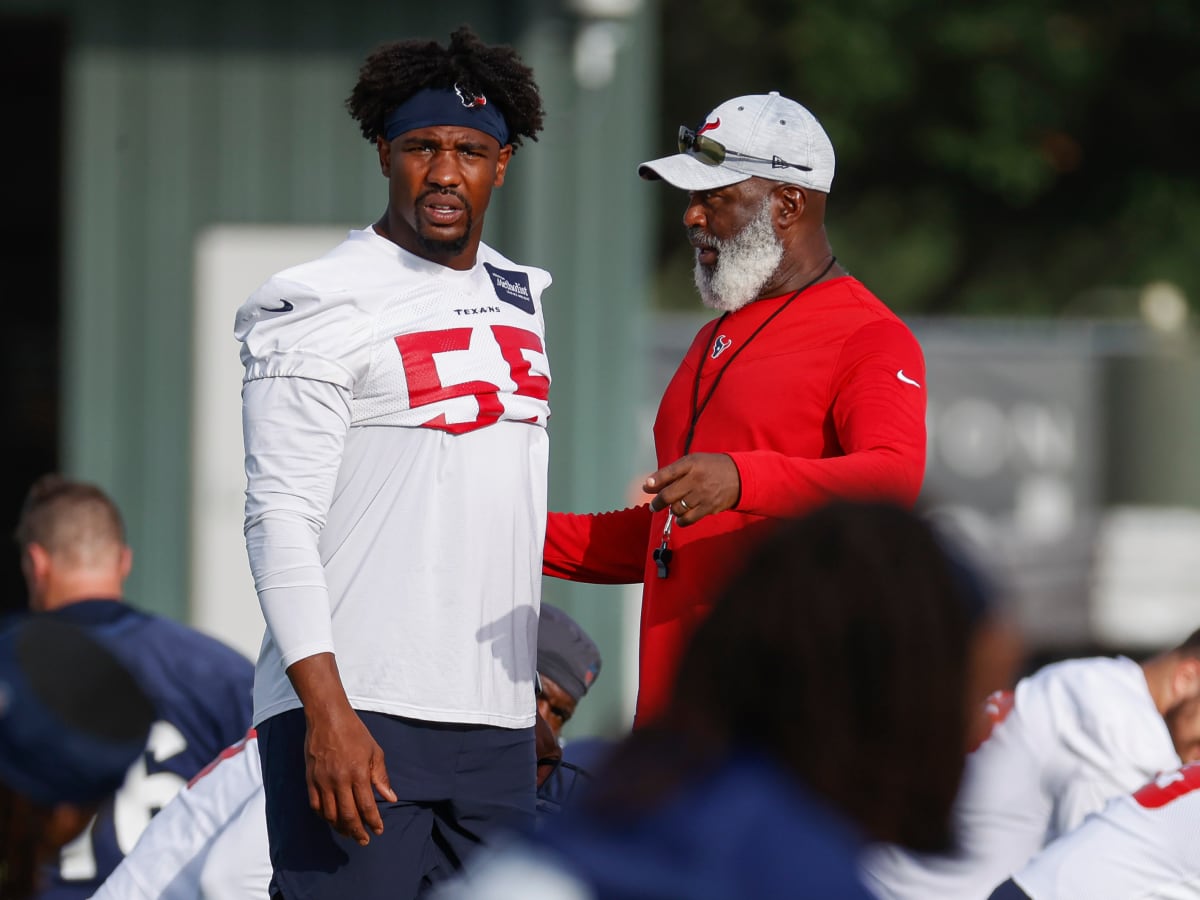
{"x":695,"y":486}
{"x":345,"y":767}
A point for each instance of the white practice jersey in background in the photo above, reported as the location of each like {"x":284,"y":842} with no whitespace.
{"x":1140,"y":846}
{"x":208,"y":843}
{"x":1078,"y":733}
{"x":394,"y":414}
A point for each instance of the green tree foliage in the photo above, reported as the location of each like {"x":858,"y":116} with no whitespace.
{"x":1014,"y":158}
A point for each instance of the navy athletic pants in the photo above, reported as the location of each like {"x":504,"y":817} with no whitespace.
{"x":457,"y":786}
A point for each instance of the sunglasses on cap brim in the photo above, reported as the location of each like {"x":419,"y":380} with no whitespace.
{"x":712,"y":152}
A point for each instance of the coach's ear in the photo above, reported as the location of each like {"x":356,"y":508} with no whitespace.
{"x":792,"y":200}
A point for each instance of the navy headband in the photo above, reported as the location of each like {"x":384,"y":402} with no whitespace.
{"x":446,"y":106}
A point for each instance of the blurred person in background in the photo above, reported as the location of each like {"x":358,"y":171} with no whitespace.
{"x":210,"y":842}
{"x":805,"y":388}
{"x":824,"y":702}
{"x":72,"y":722}
{"x":394,"y":407}
{"x":568,"y":663}
{"x":1139,"y":846}
{"x":75,"y":560}
{"x":1072,"y":735}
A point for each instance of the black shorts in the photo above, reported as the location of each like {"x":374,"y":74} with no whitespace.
{"x":457,"y":786}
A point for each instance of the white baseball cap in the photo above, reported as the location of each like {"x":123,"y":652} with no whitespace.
{"x":763,"y":135}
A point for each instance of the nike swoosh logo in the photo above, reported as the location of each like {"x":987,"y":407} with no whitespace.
{"x":284,"y":306}
{"x":906,"y":379}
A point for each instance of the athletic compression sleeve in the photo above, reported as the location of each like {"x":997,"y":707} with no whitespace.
{"x":295,"y":432}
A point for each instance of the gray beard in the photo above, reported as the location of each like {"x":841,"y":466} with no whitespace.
{"x":745,"y":263}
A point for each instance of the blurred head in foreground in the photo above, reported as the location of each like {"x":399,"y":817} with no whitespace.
{"x":72,"y":722}
{"x":847,"y":651}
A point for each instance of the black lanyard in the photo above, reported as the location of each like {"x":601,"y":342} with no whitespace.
{"x":698,"y":409}
{"x":662,"y":554}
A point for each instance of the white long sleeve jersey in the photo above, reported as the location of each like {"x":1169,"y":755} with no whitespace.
{"x":394,"y":416}
{"x":208,"y":843}
{"x":1078,"y":733}
{"x":1140,"y":846}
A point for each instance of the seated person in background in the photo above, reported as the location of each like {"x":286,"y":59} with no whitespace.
{"x":72,"y":721}
{"x":1071,"y":736}
{"x":568,"y":663}
{"x":1141,"y":845}
{"x":824,"y":701}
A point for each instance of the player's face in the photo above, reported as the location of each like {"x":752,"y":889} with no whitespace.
{"x":555,"y":705}
{"x":1183,"y":721}
{"x":737,"y":249}
{"x":440,"y":182}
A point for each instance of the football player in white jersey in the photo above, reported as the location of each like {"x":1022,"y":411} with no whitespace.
{"x":1140,"y":846}
{"x":395,"y":401}
{"x":1070,"y":737}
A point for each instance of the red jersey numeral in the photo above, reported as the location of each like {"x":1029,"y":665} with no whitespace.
{"x":425,"y":386}
{"x":995,"y":710}
{"x":1168,"y":786}
{"x":512,"y":341}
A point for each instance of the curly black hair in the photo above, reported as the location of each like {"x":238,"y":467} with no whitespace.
{"x":395,"y":71}
{"x":841,"y":651}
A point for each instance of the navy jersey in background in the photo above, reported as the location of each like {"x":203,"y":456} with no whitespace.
{"x":202,"y":691}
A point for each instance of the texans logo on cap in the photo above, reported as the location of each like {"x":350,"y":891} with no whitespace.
{"x":708,"y":126}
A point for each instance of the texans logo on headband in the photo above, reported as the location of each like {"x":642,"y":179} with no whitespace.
{"x":468,"y":99}
{"x":461,"y":108}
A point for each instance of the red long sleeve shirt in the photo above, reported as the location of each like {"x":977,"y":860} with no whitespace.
{"x":828,"y":400}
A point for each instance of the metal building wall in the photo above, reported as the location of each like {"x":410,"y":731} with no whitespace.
{"x":184,"y":115}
